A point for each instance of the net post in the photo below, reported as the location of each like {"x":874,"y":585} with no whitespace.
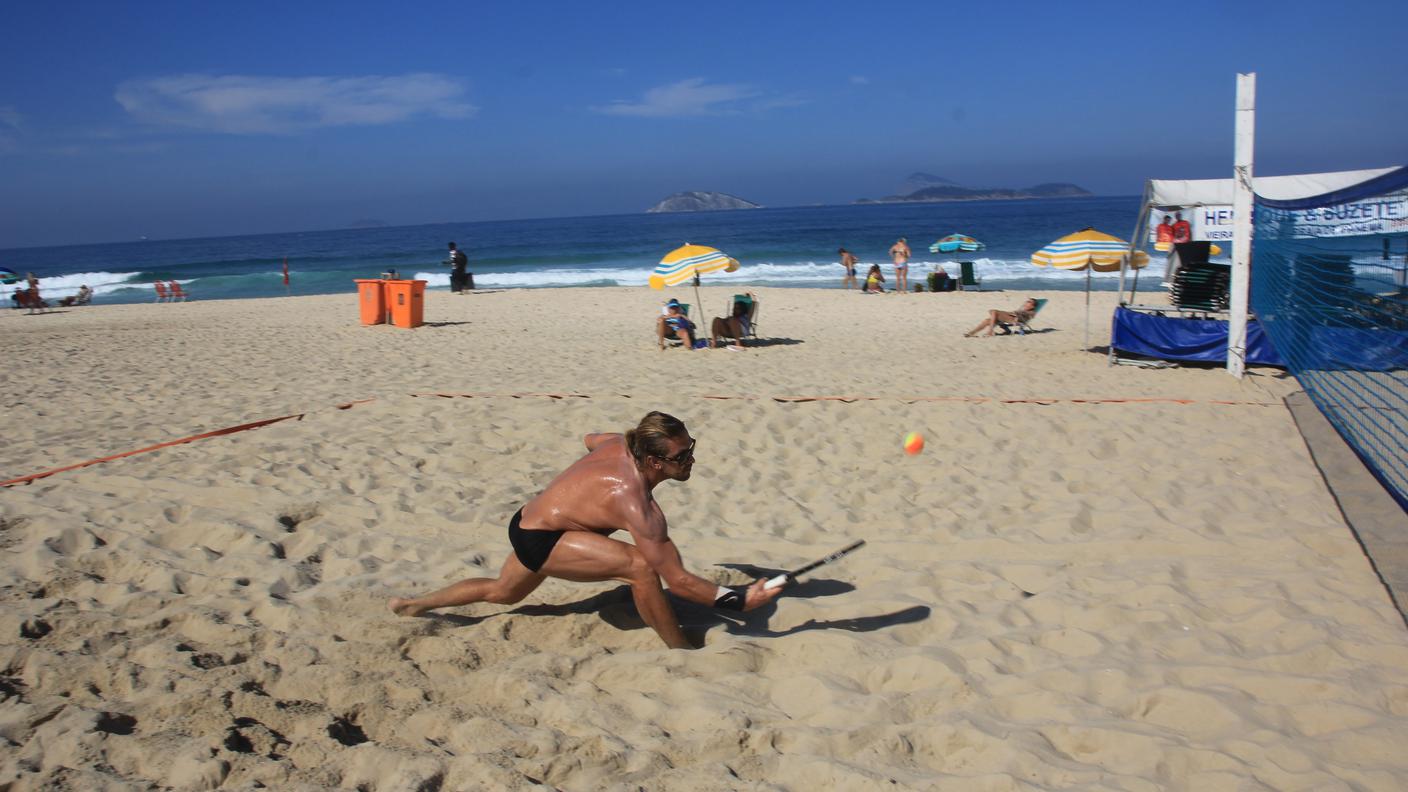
{"x":1244,"y":135}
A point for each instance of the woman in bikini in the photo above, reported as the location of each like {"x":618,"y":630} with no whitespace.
{"x":997,"y":318}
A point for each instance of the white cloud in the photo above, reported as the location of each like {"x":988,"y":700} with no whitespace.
{"x":781,"y":103}
{"x":692,"y":97}
{"x":253,"y":105}
{"x":10,"y":117}
{"x":857,"y":79}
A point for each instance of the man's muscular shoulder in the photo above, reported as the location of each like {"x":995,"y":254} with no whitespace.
{"x":595,"y":440}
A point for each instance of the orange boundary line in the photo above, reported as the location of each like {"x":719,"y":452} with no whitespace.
{"x":192,"y":438}
{"x":781,"y":399}
{"x":853,"y":399}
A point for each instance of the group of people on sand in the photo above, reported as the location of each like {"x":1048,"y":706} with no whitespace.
{"x":675,"y":323}
{"x":874,"y":278}
{"x":27,"y":296}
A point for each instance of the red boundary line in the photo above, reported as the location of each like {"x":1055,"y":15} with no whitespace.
{"x":781,"y":399}
{"x":216,"y":433}
{"x":853,"y":399}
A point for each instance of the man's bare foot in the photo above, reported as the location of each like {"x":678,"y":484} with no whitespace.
{"x":403,"y":607}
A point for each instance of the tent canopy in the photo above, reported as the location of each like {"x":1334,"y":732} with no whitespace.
{"x":1218,"y":192}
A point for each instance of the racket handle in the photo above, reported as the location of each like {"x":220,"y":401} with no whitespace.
{"x":777,"y":582}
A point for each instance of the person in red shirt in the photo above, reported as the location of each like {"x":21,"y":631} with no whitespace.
{"x":1163,"y":235}
{"x":1182,"y":229}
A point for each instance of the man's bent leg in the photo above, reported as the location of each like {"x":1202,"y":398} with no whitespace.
{"x":587,"y":557}
{"x":514,"y":582}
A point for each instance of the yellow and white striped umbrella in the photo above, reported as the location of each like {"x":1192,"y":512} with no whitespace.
{"x":1100,"y":252}
{"x":683,"y":263}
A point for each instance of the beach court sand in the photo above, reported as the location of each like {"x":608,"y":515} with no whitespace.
{"x":1093,"y":577}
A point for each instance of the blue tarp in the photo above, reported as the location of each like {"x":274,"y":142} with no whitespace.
{"x":1174,"y":338}
{"x":1349,"y":348}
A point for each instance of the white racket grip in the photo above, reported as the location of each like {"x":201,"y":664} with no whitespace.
{"x":777,"y":582}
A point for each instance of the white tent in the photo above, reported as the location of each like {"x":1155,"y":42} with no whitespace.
{"x":1211,"y":200}
{"x":1187,"y":194}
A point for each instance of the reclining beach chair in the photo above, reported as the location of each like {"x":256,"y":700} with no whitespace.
{"x":1022,"y":327}
{"x":751,"y":301}
{"x":177,"y":293}
{"x":161,"y":295}
{"x":671,"y":336}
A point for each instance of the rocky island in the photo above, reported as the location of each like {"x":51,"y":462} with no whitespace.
{"x":922,"y":187}
{"x":694,"y":201}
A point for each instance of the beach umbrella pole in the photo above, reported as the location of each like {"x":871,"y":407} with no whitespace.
{"x":1089,"y":265}
{"x":699,"y":301}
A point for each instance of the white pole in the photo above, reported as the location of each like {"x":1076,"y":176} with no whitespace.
{"x":1242,"y":225}
{"x":1135,"y":242}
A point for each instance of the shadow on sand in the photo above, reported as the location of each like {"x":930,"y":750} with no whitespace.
{"x":616,"y":608}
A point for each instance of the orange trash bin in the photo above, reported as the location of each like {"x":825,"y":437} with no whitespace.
{"x":371,"y":296}
{"x":405,"y":299}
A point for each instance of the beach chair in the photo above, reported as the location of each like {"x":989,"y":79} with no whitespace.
{"x":161,"y":295}
{"x":671,"y":337}
{"x":751,"y":301}
{"x":967,"y":279}
{"x":177,"y":293}
{"x":1023,"y":327}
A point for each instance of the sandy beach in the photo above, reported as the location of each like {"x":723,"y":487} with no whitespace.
{"x":1093,"y":577}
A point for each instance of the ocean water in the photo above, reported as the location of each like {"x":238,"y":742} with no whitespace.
{"x":789,"y":247}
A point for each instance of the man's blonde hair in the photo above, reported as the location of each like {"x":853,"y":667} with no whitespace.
{"x":651,"y":436}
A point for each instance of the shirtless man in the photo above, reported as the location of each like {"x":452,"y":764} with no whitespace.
{"x":565,"y":533}
{"x":899,"y":253}
{"x":848,"y":260}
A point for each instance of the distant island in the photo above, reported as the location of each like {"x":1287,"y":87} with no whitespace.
{"x":923,"y":187}
{"x":694,"y":201}
{"x":368,"y":223}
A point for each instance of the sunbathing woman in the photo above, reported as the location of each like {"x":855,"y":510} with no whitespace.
{"x":675,"y":321}
{"x":874,"y":281}
{"x":735,"y":326}
{"x":998,"y":318}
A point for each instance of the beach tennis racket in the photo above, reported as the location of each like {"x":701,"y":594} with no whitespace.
{"x":787,"y":577}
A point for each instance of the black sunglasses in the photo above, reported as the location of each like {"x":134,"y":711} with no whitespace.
{"x":680,"y":458}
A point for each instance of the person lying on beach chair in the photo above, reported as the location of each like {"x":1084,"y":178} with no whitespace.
{"x":674,"y":324}
{"x":737,"y":326}
{"x":1003,"y":319}
{"x":83,"y":297}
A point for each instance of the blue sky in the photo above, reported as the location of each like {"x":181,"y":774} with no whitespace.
{"x":128,"y":119}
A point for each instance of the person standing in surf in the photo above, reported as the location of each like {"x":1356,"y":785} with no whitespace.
{"x":899,"y":253}
{"x":565,"y":533}
{"x":848,"y":260}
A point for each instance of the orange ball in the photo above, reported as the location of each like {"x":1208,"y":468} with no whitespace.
{"x":913,"y":443}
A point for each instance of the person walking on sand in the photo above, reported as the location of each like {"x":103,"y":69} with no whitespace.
{"x":565,"y":533}
{"x":458,"y":262}
{"x":899,"y":253}
{"x":848,"y":260}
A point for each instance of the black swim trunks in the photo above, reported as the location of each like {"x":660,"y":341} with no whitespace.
{"x":531,"y":547}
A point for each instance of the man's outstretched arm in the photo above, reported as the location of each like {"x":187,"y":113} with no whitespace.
{"x":664,"y":558}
